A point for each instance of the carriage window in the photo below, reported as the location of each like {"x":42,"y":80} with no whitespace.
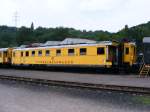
{"x":58,"y":52}
{"x":33,"y":53}
{"x":127,"y":50}
{"x":47,"y":52}
{"x":100,"y":51}
{"x":40,"y":53}
{"x":70,"y":52}
{"x":83,"y":51}
{"x":27,"y":53}
{"x":21,"y":54}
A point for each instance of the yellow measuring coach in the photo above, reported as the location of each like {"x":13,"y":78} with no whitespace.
{"x":101,"y":54}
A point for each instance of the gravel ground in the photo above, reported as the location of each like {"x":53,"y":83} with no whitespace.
{"x":16,"y":97}
{"x":123,"y":80}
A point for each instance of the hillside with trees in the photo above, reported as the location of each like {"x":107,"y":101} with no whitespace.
{"x":12,"y":36}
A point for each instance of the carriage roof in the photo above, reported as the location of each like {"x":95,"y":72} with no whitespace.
{"x":101,"y":43}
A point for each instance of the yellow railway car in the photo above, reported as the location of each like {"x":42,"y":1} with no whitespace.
{"x":100,"y":54}
{"x":5,"y":55}
{"x":129,"y":53}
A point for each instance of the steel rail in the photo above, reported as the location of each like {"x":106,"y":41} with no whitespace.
{"x":130,"y":89}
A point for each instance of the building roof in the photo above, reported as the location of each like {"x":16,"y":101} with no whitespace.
{"x":68,"y":41}
{"x":146,"y":40}
{"x":102,"y":43}
{"x":77,"y":41}
{"x":51,"y":43}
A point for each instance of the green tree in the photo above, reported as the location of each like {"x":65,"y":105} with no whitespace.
{"x":24,"y":36}
{"x":32,"y":26}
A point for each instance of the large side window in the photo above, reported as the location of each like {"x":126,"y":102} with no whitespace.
{"x":27,"y":53}
{"x":33,"y":53}
{"x":22,"y":54}
{"x":47,"y":52}
{"x":83,"y":51}
{"x":40,"y":53}
{"x":127,"y":50}
{"x":71,"y":52}
{"x":100,"y":51}
{"x":58,"y":52}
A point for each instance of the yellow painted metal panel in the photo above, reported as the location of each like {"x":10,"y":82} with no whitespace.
{"x":90,"y":59}
{"x":131,"y":57}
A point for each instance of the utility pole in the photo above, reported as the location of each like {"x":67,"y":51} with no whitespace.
{"x":16,"y":18}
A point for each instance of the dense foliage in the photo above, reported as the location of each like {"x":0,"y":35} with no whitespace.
{"x":12,"y":36}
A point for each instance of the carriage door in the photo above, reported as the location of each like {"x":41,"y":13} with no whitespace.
{"x":5,"y":57}
{"x":133,"y":54}
{"x":113,"y":54}
{"x":22,"y":56}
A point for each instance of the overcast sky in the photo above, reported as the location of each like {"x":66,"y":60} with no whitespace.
{"x":110,"y":15}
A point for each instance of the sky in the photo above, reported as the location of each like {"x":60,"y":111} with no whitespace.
{"x":108,"y":15}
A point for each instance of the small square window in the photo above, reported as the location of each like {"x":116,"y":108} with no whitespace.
{"x":47,"y":52}
{"x":40,"y":53}
{"x":33,"y":53}
{"x":127,"y":50}
{"x":21,"y":54}
{"x":58,"y":52}
{"x":83,"y":51}
{"x":27,"y":53}
{"x":70,"y":52}
{"x":100,"y":51}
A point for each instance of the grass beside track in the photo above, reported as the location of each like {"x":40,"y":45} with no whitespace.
{"x":143,"y":99}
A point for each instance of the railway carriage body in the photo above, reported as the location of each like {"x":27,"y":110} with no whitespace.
{"x":5,"y":55}
{"x":106,"y":54}
{"x":103,"y":54}
{"x":128,"y":53}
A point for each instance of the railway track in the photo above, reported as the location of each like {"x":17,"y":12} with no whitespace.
{"x":130,"y":89}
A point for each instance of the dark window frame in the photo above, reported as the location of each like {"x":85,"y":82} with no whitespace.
{"x":27,"y":53}
{"x":47,"y":53}
{"x":71,"y":52}
{"x":83,"y":51}
{"x":40,"y":53}
{"x":100,"y":50}
{"x":21,"y":53}
{"x":32,"y":53}
{"x":127,"y":50}
{"x":58,"y":52}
